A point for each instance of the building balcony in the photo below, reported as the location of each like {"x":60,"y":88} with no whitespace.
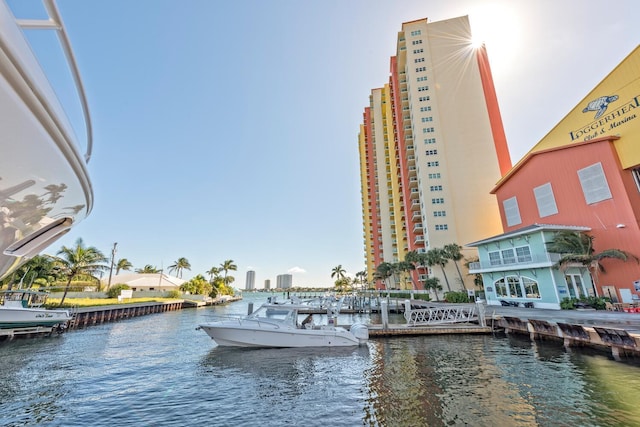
{"x":418,"y":229}
{"x":532,"y":261}
{"x":415,"y":194}
{"x":419,"y":239}
{"x":415,"y":205}
{"x":416,"y":215}
{"x":413,"y":182}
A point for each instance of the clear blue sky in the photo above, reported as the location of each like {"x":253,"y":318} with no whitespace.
{"x":228,"y":130}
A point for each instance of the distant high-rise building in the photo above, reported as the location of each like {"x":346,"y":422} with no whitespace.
{"x":250,"y":282}
{"x":432,"y":146}
{"x":267,"y":284}
{"x":284,"y":281}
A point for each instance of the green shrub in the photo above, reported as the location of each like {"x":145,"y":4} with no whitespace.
{"x":174,"y":294}
{"x":599,"y":303}
{"x":568,"y":303}
{"x":114,"y":291}
{"x":456,"y":297}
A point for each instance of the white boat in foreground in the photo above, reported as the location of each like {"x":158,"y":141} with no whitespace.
{"x":45,"y":188}
{"x":279,"y":325}
{"x":22,"y":308}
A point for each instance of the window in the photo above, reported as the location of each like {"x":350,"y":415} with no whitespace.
{"x":422,"y":78}
{"x":433,"y":164}
{"x":435,"y":188}
{"x":428,"y":130}
{"x":511,"y":211}
{"x":420,"y":69}
{"x":442,"y":227}
{"x":423,"y":88}
{"x":425,"y":108}
{"x":431,"y":152}
{"x":430,"y":141}
{"x":515,"y":290}
{"x":415,"y":42}
{"x":530,"y":287}
{"x":437,"y":201}
{"x":434,"y":175}
{"x":545,"y":200}
{"x":523,"y":253}
{"x":415,"y":33}
{"x":418,"y":50}
{"x":426,"y":119}
{"x":417,"y":60}
{"x":501,"y":289}
{"x":517,"y":287}
{"x":594,"y":183}
{"x":494,"y":258}
{"x":424,"y":98}
{"x":635,"y":172}
{"x":439,"y":213}
{"x":508,"y":257}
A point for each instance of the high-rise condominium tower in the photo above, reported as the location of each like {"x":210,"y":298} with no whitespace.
{"x":250,"y":282}
{"x":432,"y":146}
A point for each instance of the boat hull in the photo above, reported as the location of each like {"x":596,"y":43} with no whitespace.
{"x":239,"y":336}
{"x":30,"y":317}
{"x":45,"y":188}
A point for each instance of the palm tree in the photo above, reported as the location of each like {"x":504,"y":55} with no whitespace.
{"x":577,"y":248}
{"x":437,"y":256}
{"x":147,"y":269}
{"x":214,"y":272}
{"x":453,"y":252}
{"x":79,"y":260}
{"x":38,"y":267}
{"x":338,"y":272}
{"x":404,"y":269}
{"x":383,"y":271}
{"x":361,"y":277}
{"x":477,"y":277}
{"x":179,"y":265}
{"x":418,"y":261}
{"x":227,"y":266}
{"x":123,"y":264}
{"x":433,"y":283}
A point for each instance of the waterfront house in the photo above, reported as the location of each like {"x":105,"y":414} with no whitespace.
{"x":516,"y":267}
{"x":146,"y":282}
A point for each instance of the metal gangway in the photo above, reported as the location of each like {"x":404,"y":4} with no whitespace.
{"x":441,"y":314}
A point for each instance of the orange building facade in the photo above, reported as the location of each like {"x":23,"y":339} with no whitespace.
{"x":586,"y":172}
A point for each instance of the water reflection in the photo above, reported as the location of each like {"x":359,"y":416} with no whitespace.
{"x":436,"y":381}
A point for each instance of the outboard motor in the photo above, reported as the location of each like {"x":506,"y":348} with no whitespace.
{"x":360,"y":331}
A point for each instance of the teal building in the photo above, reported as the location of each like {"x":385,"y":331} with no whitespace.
{"x":517,"y":268}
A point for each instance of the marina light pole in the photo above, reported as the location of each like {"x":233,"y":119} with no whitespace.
{"x":113,"y":258}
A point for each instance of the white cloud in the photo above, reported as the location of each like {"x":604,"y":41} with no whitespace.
{"x":296,"y":270}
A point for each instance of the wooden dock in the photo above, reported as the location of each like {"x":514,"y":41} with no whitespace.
{"x":377,"y":331}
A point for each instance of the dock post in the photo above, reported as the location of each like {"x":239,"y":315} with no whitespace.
{"x":385,"y":314}
{"x":481,"y":318}
{"x":250,"y":309}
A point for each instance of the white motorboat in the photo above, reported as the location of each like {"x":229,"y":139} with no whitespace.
{"x":22,"y":308}
{"x":279,"y":325}
{"x":44,"y":183}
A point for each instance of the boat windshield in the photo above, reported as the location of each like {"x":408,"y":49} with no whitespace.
{"x":274,"y":314}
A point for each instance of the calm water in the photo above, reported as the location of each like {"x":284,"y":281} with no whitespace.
{"x":159,"y":371}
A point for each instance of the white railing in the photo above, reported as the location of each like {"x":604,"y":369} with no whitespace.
{"x":440,"y":315}
{"x":55,"y":23}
